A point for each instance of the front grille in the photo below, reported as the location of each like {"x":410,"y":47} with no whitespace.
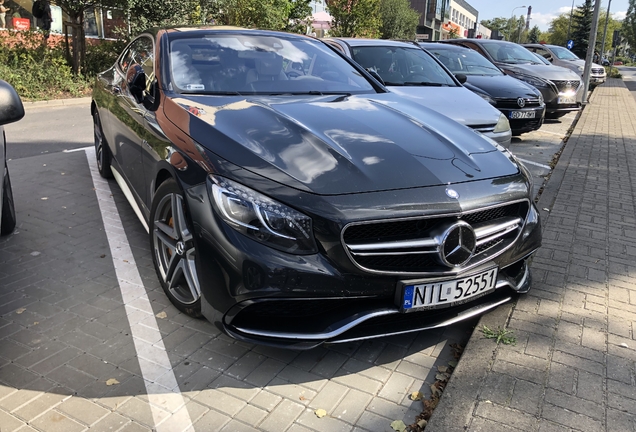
{"x":570,"y":85}
{"x":513,"y":103}
{"x":598,"y":71}
{"x":412,"y":246}
{"x":483,"y":128}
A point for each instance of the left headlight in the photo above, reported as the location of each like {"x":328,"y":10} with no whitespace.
{"x":502,"y":124}
{"x":262,"y":218}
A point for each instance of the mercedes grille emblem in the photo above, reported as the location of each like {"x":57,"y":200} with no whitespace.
{"x":521,"y":102}
{"x":452,"y":193}
{"x":458,"y":244}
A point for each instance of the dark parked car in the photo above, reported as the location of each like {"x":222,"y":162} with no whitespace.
{"x":292,"y":200}
{"x":521,"y":103}
{"x":561,"y":88}
{"x":11,"y":110}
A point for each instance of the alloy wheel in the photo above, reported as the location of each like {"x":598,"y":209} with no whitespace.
{"x":175,"y":251}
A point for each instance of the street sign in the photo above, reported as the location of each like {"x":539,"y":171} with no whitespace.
{"x":570,"y":44}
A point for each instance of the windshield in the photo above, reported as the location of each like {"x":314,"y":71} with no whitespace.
{"x":252,"y":64}
{"x":465,"y":61}
{"x":509,"y":53}
{"x":564,"y":53}
{"x":403,"y":66}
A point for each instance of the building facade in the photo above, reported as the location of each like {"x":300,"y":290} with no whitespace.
{"x":462,"y":18}
{"x":433,"y":14}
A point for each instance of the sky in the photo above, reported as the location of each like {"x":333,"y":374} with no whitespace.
{"x":543,"y":11}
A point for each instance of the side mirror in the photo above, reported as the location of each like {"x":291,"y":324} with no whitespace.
{"x":461,"y":78}
{"x":11,"y":108}
{"x":375,"y":75}
{"x":137,"y":82}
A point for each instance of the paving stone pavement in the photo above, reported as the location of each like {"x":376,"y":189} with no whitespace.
{"x":573,"y":366}
{"x":65,"y":334}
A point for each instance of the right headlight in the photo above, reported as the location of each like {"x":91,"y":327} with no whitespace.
{"x":262,"y":218}
{"x":503,"y":125}
{"x":533,"y":81}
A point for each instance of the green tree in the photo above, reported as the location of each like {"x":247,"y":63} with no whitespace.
{"x":629,"y":25}
{"x":398,"y":20}
{"x":559,"y":30}
{"x":534,"y":36}
{"x":264,"y":14}
{"x":354,"y":18}
{"x":517,"y":29}
{"x":581,"y":25}
{"x":299,"y":16}
{"x":145,"y":14}
{"x":612,"y":25}
{"x":499,"y":24}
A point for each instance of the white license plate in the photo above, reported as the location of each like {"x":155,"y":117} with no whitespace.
{"x":448,"y":292}
{"x":522,"y":114}
{"x":567,"y":99}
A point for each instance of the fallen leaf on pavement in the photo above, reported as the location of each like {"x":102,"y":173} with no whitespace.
{"x":320,"y":413}
{"x":417,"y":396}
{"x":422,"y":423}
{"x":442,"y":369}
{"x":111,"y":382}
{"x":302,"y":398}
{"x":19,"y":311}
{"x":162,"y":315}
{"x":452,"y":364}
{"x":398,"y":425}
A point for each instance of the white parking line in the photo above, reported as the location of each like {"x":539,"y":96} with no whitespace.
{"x":77,"y":149}
{"x":166,"y":402}
{"x":550,"y":133}
{"x":525,"y":161}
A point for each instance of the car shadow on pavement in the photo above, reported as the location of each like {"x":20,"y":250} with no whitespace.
{"x":64,"y":331}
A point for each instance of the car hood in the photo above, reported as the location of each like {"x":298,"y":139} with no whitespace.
{"x":457,"y":103}
{"x":501,"y":86}
{"x":549,"y":72}
{"x":332,"y":145}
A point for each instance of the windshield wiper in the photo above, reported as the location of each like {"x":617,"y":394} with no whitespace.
{"x":389,"y":83}
{"x":425,"y":84}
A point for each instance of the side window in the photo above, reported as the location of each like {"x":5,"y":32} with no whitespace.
{"x":140,"y":52}
{"x":543,"y":52}
{"x":474,"y":47}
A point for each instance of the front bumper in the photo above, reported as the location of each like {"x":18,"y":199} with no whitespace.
{"x":502,"y":138}
{"x":522,"y":125}
{"x":262,"y":295}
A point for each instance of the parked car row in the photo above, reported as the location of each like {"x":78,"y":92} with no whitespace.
{"x":294,"y":197}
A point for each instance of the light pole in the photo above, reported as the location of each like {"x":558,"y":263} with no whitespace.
{"x":570,"y":23}
{"x":511,"y":15}
{"x":605,"y":32}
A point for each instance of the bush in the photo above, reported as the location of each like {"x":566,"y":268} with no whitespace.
{"x":615,"y":72}
{"x":37,"y":70}
{"x":102,"y":55}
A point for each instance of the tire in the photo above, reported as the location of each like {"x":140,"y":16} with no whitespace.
{"x":8,"y":208}
{"x":173,"y":249}
{"x":102,"y":152}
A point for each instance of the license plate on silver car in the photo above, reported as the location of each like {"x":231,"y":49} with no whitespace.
{"x":448,"y":292}
{"x":522,"y":114}
{"x":566,"y":99}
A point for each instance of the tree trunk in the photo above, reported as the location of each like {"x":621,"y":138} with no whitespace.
{"x":82,"y":44}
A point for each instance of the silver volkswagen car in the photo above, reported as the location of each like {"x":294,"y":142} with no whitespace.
{"x":11,"y":110}
{"x":413,"y":73}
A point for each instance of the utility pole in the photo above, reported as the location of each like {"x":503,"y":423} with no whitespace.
{"x":570,"y":24}
{"x":590,"y":50}
{"x":605,"y":31}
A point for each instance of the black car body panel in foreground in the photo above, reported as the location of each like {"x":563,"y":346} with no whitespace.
{"x":561,"y":88}
{"x":292,"y":201}
{"x":521,"y":103}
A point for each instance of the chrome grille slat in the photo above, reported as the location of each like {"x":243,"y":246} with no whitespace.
{"x":495,"y":230}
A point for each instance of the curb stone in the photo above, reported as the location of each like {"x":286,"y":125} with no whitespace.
{"x":457,"y":403}
{"x":56,"y":103}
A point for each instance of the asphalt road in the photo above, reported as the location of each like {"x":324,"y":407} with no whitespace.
{"x":50,"y":130}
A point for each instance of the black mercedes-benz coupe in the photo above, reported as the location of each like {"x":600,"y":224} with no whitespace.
{"x":292,"y":200}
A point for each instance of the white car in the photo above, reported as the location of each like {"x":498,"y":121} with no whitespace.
{"x":11,"y":110}
{"x":411,"y":72}
{"x":560,"y":56}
